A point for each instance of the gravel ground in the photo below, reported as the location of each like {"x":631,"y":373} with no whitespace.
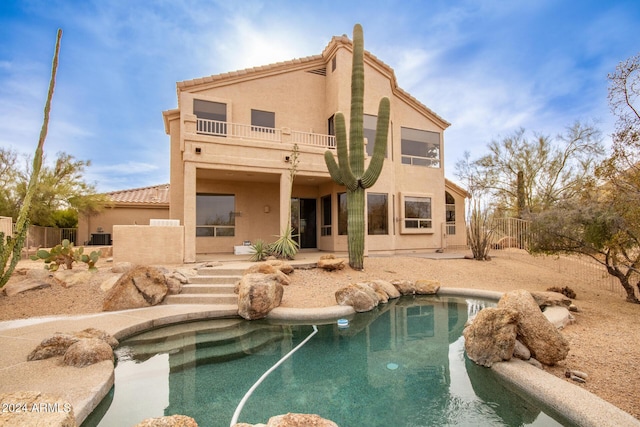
{"x":604,"y":338}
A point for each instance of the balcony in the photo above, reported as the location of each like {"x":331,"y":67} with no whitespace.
{"x":250,"y":132}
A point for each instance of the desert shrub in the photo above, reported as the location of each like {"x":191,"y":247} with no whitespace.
{"x":566,"y":291}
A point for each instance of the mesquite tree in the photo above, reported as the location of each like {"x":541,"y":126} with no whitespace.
{"x":349,"y":170}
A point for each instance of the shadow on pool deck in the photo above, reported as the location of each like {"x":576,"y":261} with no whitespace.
{"x":18,"y":338}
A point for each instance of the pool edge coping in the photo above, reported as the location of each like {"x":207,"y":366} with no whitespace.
{"x":557,"y":394}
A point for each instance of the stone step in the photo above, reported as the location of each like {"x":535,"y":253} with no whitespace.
{"x":212,"y":341}
{"x":221,"y":271}
{"x":211,"y":279}
{"x":190,"y":289}
{"x":202,"y":299}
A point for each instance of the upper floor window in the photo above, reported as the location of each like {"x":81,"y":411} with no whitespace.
{"x":215,"y":215}
{"x":369,"y":123}
{"x":420,"y":147}
{"x":212,"y":117}
{"x":331,"y":125}
{"x":263,"y":120}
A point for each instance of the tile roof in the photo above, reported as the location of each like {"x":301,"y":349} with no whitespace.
{"x":335,"y":42}
{"x":156,"y":195}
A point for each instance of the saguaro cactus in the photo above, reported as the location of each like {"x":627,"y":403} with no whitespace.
{"x":349,"y":170}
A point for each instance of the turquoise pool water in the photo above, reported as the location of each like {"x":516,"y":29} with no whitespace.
{"x":400,"y":365}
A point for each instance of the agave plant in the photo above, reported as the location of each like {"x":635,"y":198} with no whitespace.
{"x":261,"y":251}
{"x":286,"y":246}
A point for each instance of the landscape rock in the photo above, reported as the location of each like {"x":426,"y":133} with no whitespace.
{"x":12,"y":289}
{"x":142,"y":286}
{"x":87,"y":351}
{"x":169,"y":421}
{"x":419,"y":287}
{"x":383,"y":298}
{"x":387,"y":287}
{"x":520,"y":351}
{"x":426,"y":287}
{"x":173,"y":284}
{"x":404,"y":287}
{"x":258,"y":294}
{"x":299,"y":420}
{"x":491,"y":337}
{"x":330,"y":263}
{"x":285,"y":267}
{"x":122,"y":267}
{"x":59,"y":343}
{"x":69,"y":278}
{"x":108,"y":283}
{"x":266,"y":268}
{"x":550,"y":299}
{"x":361,"y":297}
{"x":35,"y":410}
{"x":558,"y":316}
{"x":38,"y":274}
{"x":542,"y":338}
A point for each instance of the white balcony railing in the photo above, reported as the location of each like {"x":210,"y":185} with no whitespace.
{"x":316,"y":139}
{"x":236,"y":130}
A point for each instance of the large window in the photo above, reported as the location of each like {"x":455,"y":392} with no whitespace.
{"x":342,"y":213}
{"x":263,"y":121}
{"x":370,"y":122}
{"x":377,"y":213}
{"x":325,"y":228}
{"x":212,"y":117}
{"x":420,"y":147}
{"x":215,"y":215}
{"x":416,"y":214}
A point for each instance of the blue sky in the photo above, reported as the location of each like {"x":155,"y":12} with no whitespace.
{"x":488,"y":67}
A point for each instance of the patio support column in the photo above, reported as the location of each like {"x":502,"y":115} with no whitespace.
{"x":285,"y":200}
{"x":189,"y":213}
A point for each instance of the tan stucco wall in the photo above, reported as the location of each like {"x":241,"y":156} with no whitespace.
{"x":302,"y":101}
{"x":145,"y":244}
{"x":109,"y":217}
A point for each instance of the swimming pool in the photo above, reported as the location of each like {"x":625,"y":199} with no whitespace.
{"x":402,"y":364}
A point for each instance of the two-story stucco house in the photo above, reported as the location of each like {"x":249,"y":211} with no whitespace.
{"x":232,"y":137}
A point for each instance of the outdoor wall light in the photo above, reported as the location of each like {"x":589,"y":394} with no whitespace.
{"x":198,"y":150}
{"x":267,"y":208}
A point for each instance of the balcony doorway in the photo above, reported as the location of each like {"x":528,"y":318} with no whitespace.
{"x":303,"y":222}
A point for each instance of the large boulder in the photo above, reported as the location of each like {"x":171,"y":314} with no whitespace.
{"x":330,"y":263}
{"x":168,"y":421}
{"x":258,"y":294}
{"x":59,"y":343}
{"x":87,"y":352}
{"x":35,"y":409}
{"x":540,"y":336}
{"x":142,"y":286}
{"x":491,"y":337}
{"x":266,"y":268}
{"x":359,"y":296}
